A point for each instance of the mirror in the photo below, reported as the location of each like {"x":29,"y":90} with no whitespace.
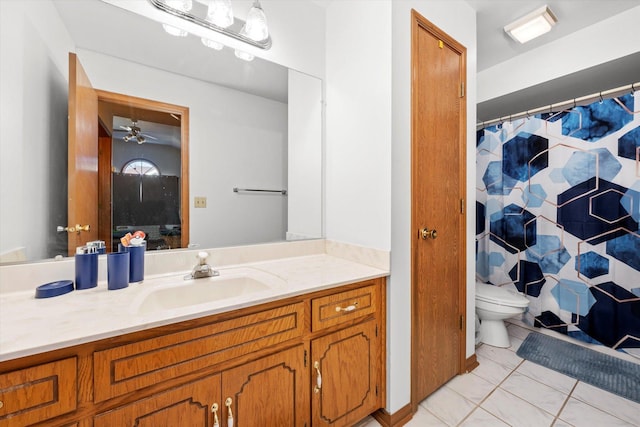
{"x":253,"y":125}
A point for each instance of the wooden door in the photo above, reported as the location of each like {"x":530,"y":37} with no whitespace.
{"x":185,"y":406}
{"x":438,"y":193}
{"x":268,"y":392}
{"x":348,"y":363}
{"x":83,"y":156}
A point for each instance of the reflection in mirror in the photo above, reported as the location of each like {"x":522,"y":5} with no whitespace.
{"x":145,"y":181}
{"x":251,"y":125}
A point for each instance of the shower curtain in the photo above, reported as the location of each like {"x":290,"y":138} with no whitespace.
{"x":558,"y":214}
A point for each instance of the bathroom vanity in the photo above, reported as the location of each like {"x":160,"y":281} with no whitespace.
{"x":311,"y":353}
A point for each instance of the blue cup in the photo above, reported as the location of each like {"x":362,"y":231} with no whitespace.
{"x":136,"y":261}
{"x":117,"y":270}
{"x":86,"y":270}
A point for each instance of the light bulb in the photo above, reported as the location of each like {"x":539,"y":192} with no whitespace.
{"x":174,"y":31}
{"x":220,"y":13}
{"x":212,"y":44}
{"x":181,"y":5}
{"x":256,"y":26}
{"x":244,"y":55}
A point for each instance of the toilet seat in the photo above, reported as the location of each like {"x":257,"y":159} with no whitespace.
{"x":500,"y":296}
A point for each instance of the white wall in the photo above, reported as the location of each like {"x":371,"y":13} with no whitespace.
{"x":358,"y":123}
{"x":33,"y":126}
{"x":369,"y":149}
{"x":597,"y":44}
{"x":235,"y":140}
{"x":305,"y":157}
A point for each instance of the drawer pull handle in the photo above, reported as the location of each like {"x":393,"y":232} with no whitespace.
{"x":347,"y":308}
{"x":1,"y":404}
{"x":229,"y":413}
{"x":214,"y":409}
{"x":318,"y":386}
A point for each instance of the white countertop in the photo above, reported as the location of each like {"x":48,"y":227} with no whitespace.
{"x":30,"y":326}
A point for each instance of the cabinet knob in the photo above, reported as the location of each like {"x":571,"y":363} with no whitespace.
{"x":214,"y":410}
{"x":318,"y":386}
{"x":347,"y":308}
{"x":228,"y":403}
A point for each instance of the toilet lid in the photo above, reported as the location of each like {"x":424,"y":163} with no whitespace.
{"x":499,"y":295}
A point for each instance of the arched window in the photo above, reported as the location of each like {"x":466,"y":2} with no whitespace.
{"x":140,"y":167}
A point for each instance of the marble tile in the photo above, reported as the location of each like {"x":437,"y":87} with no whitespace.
{"x":481,"y":418}
{"x":560,"y":423}
{"x":515,"y":343}
{"x":538,"y":394}
{"x":368,"y":422}
{"x":471,"y":386}
{"x":517,"y":331}
{"x":424,"y":418}
{"x":448,"y":406}
{"x":613,"y":404}
{"x":578,"y":413}
{"x":547,"y":376}
{"x":503,"y":356}
{"x":515,"y":411}
{"x":491,"y":371}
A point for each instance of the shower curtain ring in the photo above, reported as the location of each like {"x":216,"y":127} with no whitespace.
{"x":601,"y":100}
{"x":574,"y":103}
{"x":633,"y":89}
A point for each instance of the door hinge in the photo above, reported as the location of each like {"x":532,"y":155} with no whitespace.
{"x":461,"y":321}
{"x":305,"y":358}
{"x":462,"y":206}
{"x":462,"y":90}
{"x":376,"y":330}
{"x":376,"y":389}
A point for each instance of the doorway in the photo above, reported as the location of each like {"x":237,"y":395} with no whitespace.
{"x":90,"y":165}
{"x":438,"y":177}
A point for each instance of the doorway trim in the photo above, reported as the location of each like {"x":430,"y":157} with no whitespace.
{"x":130,"y":103}
{"x":419,"y":22}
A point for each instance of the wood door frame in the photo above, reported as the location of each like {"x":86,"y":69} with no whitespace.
{"x":420,"y":22}
{"x":147,"y":104}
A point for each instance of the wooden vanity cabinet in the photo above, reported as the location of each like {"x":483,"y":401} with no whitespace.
{"x":347,"y":365}
{"x":261,"y":364}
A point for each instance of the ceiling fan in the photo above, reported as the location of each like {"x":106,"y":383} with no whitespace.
{"x":135,"y":133}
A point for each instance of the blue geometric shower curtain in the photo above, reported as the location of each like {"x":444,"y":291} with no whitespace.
{"x":558,"y":218}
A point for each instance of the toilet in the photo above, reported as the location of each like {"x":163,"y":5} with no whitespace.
{"x":493,"y":305}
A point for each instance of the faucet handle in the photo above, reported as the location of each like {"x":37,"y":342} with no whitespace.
{"x":202,"y":256}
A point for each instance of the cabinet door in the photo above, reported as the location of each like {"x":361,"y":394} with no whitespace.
{"x":269,"y":391}
{"x":185,"y":406}
{"x":345,"y":375}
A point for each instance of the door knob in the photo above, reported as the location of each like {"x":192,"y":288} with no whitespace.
{"x":425,"y":233}
{"x":71,"y":229}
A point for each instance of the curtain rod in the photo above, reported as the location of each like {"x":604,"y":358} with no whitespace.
{"x":585,"y":100}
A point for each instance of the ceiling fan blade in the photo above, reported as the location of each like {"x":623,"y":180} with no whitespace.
{"x":127,"y":128}
{"x":146,"y":135}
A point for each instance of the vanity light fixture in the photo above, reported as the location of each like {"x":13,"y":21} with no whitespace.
{"x":220,"y":18}
{"x":183,"y":6}
{"x":532,"y":25}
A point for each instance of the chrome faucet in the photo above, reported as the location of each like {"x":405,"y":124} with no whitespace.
{"x":202,"y":269}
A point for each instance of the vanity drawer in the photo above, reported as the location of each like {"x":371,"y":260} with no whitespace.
{"x":38,"y":393}
{"x":339,"y":307}
{"x":131,"y":367}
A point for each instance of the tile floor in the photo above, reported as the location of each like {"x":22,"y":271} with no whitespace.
{"x":506,"y":390}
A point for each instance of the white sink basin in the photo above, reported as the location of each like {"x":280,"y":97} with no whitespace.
{"x":168,"y":294}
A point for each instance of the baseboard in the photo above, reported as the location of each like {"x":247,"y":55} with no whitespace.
{"x":397,"y":419}
{"x":471,"y":363}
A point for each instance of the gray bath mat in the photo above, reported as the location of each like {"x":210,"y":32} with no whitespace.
{"x":600,"y":370}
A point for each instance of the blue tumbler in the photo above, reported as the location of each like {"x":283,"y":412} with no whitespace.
{"x":86,"y":270}
{"x":136,"y":261}
{"x":117,"y":270}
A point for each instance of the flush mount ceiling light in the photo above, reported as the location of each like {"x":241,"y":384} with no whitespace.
{"x":220,"y":19}
{"x":532,"y":25}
